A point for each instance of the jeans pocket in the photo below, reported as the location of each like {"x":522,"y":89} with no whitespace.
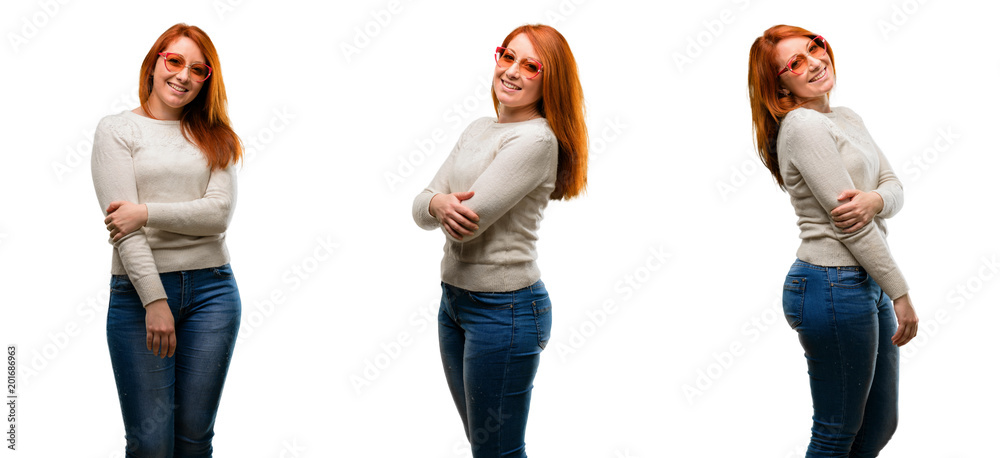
{"x":793,"y":298}
{"x":851,"y":277}
{"x":543,"y":320}
{"x":491,"y":301}
{"x":223,"y":271}
{"x":121,"y":284}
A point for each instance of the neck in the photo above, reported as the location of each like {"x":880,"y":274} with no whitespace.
{"x":508,"y":114}
{"x":160,"y":111}
{"x":820,"y":104}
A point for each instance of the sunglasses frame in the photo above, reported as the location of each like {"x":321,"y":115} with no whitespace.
{"x":166,"y":55}
{"x":788,"y":66}
{"x":499,"y":52}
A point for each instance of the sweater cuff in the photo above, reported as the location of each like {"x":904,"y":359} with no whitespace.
{"x":894,"y":285}
{"x":150,"y":289}
{"x":155,"y":216}
{"x":888,"y":203}
{"x":422,"y":213}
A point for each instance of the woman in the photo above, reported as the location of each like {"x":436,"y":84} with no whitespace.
{"x":841,"y":292}
{"x":488,"y":198}
{"x":164,"y":173}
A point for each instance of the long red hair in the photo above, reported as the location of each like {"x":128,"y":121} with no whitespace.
{"x":561,"y":104}
{"x":204,"y":121}
{"x":768,"y":105}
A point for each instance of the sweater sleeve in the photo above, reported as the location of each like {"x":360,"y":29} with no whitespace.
{"x":523,"y":163}
{"x":889,"y":186}
{"x":439,"y":185}
{"x":209,"y":215}
{"x":114,"y":179}
{"x":812,"y":149}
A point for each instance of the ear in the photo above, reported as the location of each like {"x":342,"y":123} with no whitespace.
{"x":784,"y":92}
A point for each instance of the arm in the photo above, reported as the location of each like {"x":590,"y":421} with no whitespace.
{"x":439,"y":185}
{"x":861,"y":207}
{"x":209,"y":215}
{"x":114,"y":180}
{"x":812,"y":150}
{"x":523,"y":162}
{"x":889,"y":187}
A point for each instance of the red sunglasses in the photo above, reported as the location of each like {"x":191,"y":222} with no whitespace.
{"x":529,"y":67}
{"x":797,"y":64}
{"x":174,"y":63}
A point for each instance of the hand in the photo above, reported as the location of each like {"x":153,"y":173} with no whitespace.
{"x":907,"y":319}
{"x":859,"y":210}
{"x":124,"y":218}
{"x":160,"y":336}
{"x":454,"y":217}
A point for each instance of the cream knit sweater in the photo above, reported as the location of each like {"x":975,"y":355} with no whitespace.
{"x":148,"y":161}
{"x":821,"y":155}
{"x":511,"y":167}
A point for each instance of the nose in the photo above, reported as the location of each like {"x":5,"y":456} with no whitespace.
{"x":184,"y":74}
{"x":514,"y":71}
{"x":814,"y":62}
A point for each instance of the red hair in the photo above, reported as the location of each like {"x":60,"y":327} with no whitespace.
{"x":767,"y":104}
{"x":561,"y":105}
{"x":204,"y":121}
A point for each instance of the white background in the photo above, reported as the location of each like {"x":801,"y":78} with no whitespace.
{"x":672,"y":172}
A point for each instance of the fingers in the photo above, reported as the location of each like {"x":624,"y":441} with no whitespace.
{"x":464,"y":195}
{"x":468,"y":214}
{"x":904,"y":334}
{"x":844,"y":211}
{"x":172,"y":344}
{"x":161,"y":338}
{"x":113,"y":206}
{"x":849,"y":194}
{"x":451,"y":232}
{"x":162,"y":344}
{"x":856,"y":227}
{"x":907,"y":319}
{"x":461,"y":225}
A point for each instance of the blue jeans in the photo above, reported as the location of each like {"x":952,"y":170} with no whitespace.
{"x":169,"y":404}
{"x":845,"y":324}
{"x":490,"y":346}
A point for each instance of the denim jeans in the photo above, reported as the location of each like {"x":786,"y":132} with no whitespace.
{"x":490,"y":347}
{"x":169,"y":404}
{"x":845,"y":324}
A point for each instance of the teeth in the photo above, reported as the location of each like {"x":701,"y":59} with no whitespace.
{"x":821,"y":74}
{"x":176,"y":87}
{"x":508,"y":85}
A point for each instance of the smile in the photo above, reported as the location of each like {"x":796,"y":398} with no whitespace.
{"x":510,"y":86}
{"x":820,"y":76}
{"x":176,"y":87}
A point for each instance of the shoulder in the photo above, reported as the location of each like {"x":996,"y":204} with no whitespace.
{"x":536,"y":132}
{"x":119,"y":126}
{"x":803,"y":117}
{"x":121,"y":123}
{"x":851,"y":120}
{"x":478,"y":126}
{"x":846,"y":112}
{"x":803,"y":123}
